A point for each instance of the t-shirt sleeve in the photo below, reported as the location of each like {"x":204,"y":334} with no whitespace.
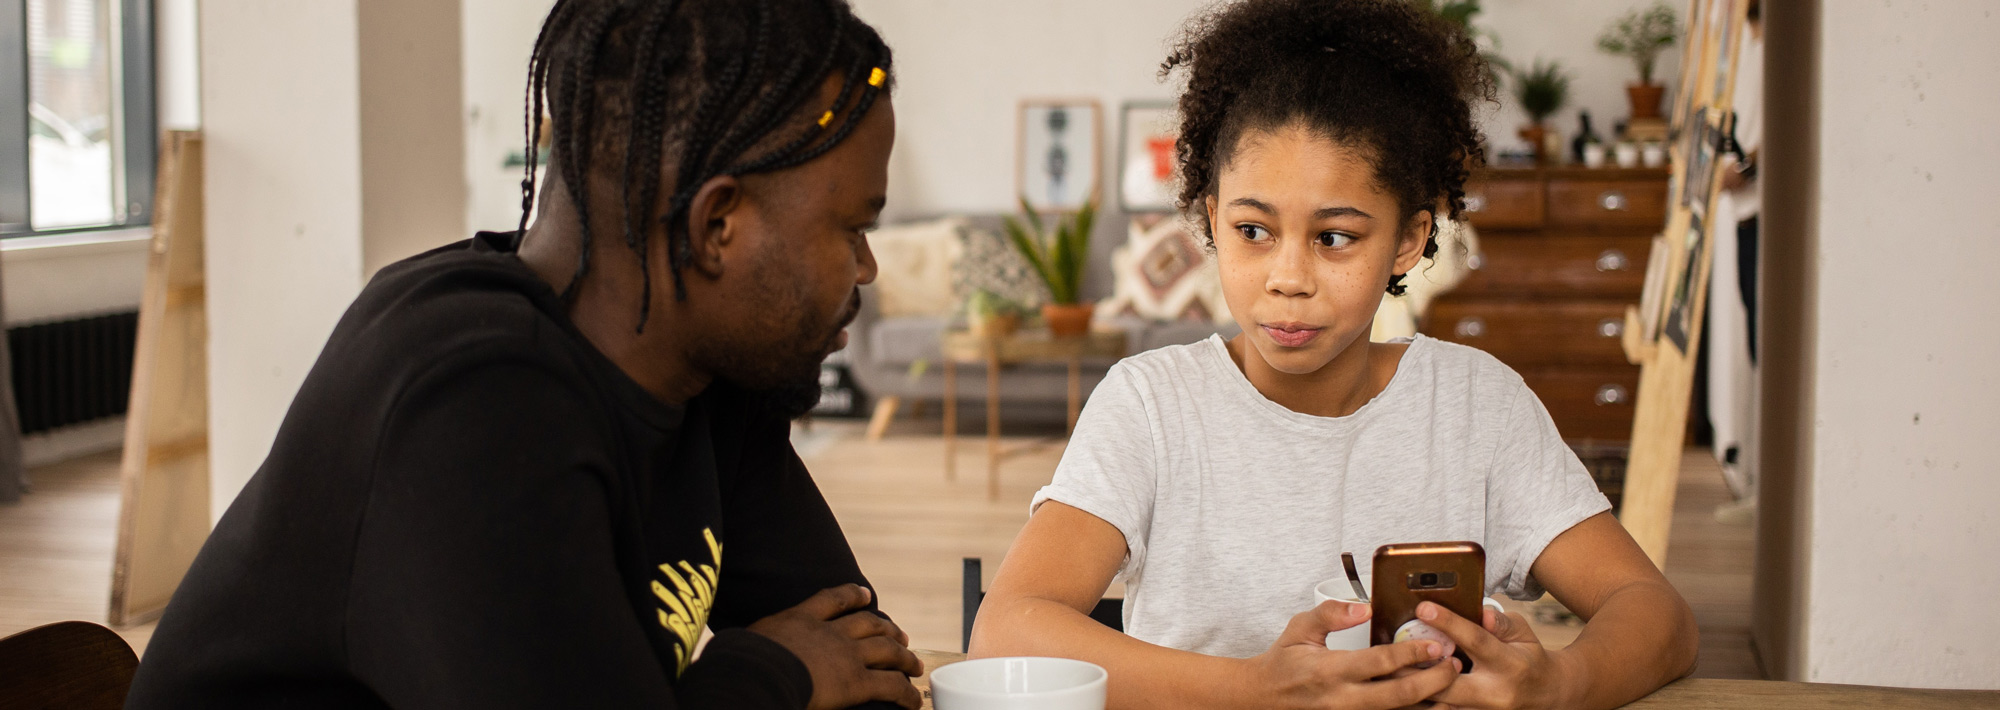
{"x":485,"y":571}
{"x":1110,"y":466}
{"x":1536,"y":490}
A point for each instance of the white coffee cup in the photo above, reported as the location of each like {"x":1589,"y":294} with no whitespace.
{"x":1022,"y":683}
{"x":1355,"y":638}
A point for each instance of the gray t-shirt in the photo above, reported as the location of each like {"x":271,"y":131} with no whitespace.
{"x":1233,"y":506}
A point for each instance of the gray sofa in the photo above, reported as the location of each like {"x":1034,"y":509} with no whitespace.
{"x":881,"y":352}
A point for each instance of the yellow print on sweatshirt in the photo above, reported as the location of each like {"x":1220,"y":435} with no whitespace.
{"x":684,"y":610}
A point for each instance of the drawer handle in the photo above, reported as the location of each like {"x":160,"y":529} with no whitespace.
{"x":1613,"y":201}
{"x":1475,"y":203}
{"x":1610,"y":328}
{"x":1613,"y":260}
{"x":1612,"y":394}
{"x":1470,"y":327}
{"x":1475,"y":262}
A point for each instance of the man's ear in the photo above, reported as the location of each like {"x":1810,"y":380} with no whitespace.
{"x":711,"y":216}
{"x":1410,"y":248}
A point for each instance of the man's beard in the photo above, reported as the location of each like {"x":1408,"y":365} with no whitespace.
{"x":795,"y":391}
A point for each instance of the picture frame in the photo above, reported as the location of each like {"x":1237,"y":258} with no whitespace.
{"x":1057,"y":161}
{"x":1680,"y":310}
{"x":1147,"y":133}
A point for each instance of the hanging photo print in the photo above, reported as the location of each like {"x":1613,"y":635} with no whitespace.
{"x":1058,"y":165}
{"x":1147,"y":133}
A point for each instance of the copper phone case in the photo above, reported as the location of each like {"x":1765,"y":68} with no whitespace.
{"x":1399,"y":573}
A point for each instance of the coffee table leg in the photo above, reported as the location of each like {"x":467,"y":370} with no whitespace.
{"x":992,"y":427}
{"x":950,"y":420}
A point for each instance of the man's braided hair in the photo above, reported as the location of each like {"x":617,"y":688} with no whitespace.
{"x":718,"y":87}
{"x":1385,"y":76}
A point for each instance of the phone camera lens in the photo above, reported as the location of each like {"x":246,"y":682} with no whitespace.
{"x":1429,"y":579}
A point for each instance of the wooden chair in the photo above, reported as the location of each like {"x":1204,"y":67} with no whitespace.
{"x":74,"y":665}
{"x":1109,"y":612}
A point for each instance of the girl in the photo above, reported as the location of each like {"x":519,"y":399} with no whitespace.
{"x":1321,"y":143}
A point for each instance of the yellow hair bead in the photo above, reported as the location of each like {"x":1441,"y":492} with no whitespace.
{"x":875,"y":78}
{"x":826,"y":119}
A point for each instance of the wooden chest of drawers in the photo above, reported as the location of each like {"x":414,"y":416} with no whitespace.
{"x":1563,"y":252}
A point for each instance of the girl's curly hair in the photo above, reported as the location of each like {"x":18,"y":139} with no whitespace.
{"x":1383,"y":75}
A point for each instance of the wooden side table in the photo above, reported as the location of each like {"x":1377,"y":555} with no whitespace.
{"x":1019,"y":347}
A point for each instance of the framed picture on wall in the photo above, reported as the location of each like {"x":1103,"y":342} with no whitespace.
{"x":1147,"y":132}
{"x":1056,"y":168}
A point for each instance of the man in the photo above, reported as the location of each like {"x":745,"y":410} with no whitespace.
{"x":528,"y":472}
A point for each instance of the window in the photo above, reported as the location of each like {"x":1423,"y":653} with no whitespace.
{"x":77,"y":128}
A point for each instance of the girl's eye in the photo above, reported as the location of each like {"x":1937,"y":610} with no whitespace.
{"x":1253,"y":232}
{"x":1335,"y":239}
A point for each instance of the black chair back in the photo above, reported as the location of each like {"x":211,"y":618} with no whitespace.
{"x":74,"y":665}
{"x":1109,"y":611}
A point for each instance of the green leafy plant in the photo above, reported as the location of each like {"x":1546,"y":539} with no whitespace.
{"x":1461,"y":13}
{"x":1058,"y":257}
{"x":1542,"y":90}
{"x":1641,"y":35}
{"x":987,"y":304}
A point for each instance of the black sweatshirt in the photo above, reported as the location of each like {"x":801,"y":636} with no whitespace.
{"x":468,"y":505}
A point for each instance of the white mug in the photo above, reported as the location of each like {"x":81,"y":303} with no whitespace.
{"x":1355,"y":638}
{"x":1022,"y":683}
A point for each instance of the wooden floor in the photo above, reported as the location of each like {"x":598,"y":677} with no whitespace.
{"x":56,"y":545}
{"x":908,"y":525}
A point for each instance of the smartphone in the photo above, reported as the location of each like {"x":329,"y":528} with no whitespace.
{"x":1450,"y":574}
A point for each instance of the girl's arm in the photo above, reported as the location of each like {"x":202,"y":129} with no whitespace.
{"x":1640,"y":633}
{"x":1064,"y":560}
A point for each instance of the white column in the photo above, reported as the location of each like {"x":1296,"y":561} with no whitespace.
{"x":313,"y":180}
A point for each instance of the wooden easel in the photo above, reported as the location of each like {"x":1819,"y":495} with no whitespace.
{"x":1666,"y":379}
{"x":163,"y":516}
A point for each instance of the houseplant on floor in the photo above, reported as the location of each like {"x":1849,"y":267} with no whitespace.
{"x":1542,"y":89}
{"x":1640,"y":36}
{"x":1059,"y":258}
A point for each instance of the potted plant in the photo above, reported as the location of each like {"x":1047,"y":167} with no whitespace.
{"x":989,"y":315}
{"x":1640,"y":36}
{"x":1542,"y":89}
{"x":1059,"y":258}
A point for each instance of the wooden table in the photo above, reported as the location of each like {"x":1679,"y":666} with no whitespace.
{"x":1715,"y":694}
{"x":996,"y":351}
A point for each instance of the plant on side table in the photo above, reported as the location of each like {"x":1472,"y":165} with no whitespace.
{"x":1640,"y":36}
{"x":989,"y":315}
{"x":1059,"y":258}
{"x":1543,"y":89}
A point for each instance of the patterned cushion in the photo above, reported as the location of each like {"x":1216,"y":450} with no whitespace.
{"x":988,"y":262}
{"x":914,"y":263}
{"x":1163,"y":272}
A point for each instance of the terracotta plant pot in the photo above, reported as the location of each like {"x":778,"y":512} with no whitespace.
{"x":1537,"y":136}
{"x":1645,"y":99}
{"x":1068,"y":320}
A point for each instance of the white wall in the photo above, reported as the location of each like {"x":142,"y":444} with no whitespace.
{"x":498,"y":35}
{"x":286,"y":104}
{"x":1566,"y":30}
{"x":177,"y":63}
{"x":1901,"y":538}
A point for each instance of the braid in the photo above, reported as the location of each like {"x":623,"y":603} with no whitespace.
{"x":642,"y":157}
{"x":538,"y":62}
{"x":704,"y":83}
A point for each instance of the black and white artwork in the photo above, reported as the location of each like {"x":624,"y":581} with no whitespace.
{"x":1058,"y":162}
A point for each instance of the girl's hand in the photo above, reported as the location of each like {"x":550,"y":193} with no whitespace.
{"x":1299,"y":671}
{"x":1510,"y":668}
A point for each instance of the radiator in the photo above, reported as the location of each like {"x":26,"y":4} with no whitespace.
{"x":72,"y":371}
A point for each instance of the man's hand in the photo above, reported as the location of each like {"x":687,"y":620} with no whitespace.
{"x":1510,"y":669}
{"x":1299,"y":671}
{"x":854,"y":656}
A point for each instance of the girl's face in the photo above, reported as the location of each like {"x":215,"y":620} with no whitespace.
{"x":1306,"y":242}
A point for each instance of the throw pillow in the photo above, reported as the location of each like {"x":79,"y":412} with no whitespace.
{"x":988,"y":262}
{"x":1163,"y":272}
{"x":915,"y":263}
